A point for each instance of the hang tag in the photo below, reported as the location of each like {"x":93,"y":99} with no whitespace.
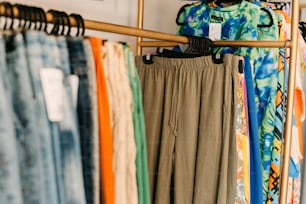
{"x":214,"y":31}
{"x":74,"y":83}
{"x":52,"y":82}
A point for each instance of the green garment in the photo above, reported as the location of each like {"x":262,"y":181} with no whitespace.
{"x":139,"y":131}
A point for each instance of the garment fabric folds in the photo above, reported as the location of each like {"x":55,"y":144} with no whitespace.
{"x":190,"y":116}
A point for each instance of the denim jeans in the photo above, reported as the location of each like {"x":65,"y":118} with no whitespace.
{"x":78,"y":63}
{"x":48,"y":43}
{"x":92,"y":81}
{"x":34,"y":46}
{"x":26,"y":129}
{"x":65,"y":137}
{"x":10,"y":184}
{"x":70,"y":145}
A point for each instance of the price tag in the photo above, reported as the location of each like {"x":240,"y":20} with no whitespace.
{"x":52,"y":82}
{"x":74,"y":83}
{"x":214,"y":31}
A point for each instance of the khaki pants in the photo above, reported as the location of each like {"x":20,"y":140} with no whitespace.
{"x":190,"y":116}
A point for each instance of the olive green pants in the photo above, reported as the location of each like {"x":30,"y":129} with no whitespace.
{"x":190,"y":117}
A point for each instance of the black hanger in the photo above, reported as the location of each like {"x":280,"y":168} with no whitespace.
{"x":217,"y":58}
{"x":218,"y":2}
{"x":66,"y":22}
{"x":76,"y":18}
{"x":33,"y":18}
{"x":182,"y":9}
{"x":56,"y":21}
{"x":302,"y":27}
{"x":12,"y":18}
{"x":8,"y":13}
{"x":148,"y":59}
{"x":21,"y":14}
{"x":40,"y":18}
{"x":80,"y":23}
{"x":270,"y":16}
{"x":199,"y":45}
{"x":61,"y":23}
{"x":29,"y":17}
{"x":43,"y":20}
{"x":174,"y":54}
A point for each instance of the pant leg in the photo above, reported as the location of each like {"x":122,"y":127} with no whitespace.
{"x":69,"y":130}
{"x":106,"y":136}
{"x":187,"y":126}
{"x":28,"y":135}
{"x":95,"y":123}
{"x":159,"y":90}
{"x":215,"y":181}
{"x":78,"y":63}
{"x":10,"y":184}
{"x":48,"y":134}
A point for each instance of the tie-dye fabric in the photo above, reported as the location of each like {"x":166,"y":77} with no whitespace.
{"x":274,"y":180}
{"x":242,"y":194}
{"x":267,"y":68}
{"x":240,"y":22}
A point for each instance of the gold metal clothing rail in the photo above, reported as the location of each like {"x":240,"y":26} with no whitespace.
{"x":302,"y":6}
{"x":221,"y":43}
{"x":137,"y":32}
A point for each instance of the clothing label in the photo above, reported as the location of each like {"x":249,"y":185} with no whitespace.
{"x":52,"y":82}
{"x":214,"y":31}
{"x":74,"y":83}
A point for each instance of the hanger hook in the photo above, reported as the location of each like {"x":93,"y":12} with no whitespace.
{"x":73,"y":15}
{"x":37,"y":18}
{"x":20,"y":14}
{"x":55,"y":22}
{"x":61,"y":25}
{"x":44,"y":19}
{"x":66,"y":22}
{"x":7,"y":13}
{"x":13,"y":18}
{"x":80,"y":23}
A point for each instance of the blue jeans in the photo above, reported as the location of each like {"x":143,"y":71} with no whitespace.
{"x":10,"y":184}
{"x":70,"y":145}
{"x":69,"y":130}
{"x":78,"y":63}
{"x":34,"y":46}
{"x":65,"y":137}
{"x":27,"y":133}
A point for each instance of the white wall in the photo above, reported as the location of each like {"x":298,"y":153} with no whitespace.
{"x":159,"y":14}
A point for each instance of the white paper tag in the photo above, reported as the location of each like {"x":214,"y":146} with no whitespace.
{"x":52,"y":82}
{"x":74,"y":83}
{"x":214,"y":31}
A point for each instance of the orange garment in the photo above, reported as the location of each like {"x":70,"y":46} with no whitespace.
{"x":105,"y":131}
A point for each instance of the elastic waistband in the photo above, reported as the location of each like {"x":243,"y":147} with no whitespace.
{"x":188,"y":63}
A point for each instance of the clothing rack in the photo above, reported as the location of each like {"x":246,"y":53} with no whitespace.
{"x":292,"y":44}
{"x":302,"y":6}
{"x":174,"y":39}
